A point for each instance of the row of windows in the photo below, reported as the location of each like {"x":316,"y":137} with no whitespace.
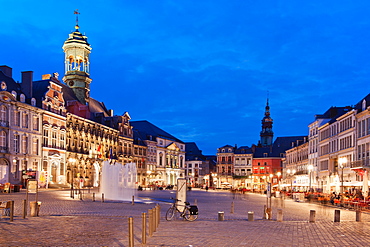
{"x":336,"y":128}
{"x":363,"y":127}
{"x":20,"y":143}
{"x":363,"y":151}
{"x":21,"y":119}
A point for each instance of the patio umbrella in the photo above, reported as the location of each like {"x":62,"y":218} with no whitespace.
{"x":365,"y":185}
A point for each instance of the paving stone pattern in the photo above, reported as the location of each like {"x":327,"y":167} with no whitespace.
{"x":64,"y":221}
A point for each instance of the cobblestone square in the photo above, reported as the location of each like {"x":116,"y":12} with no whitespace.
{"x":73,"y":222}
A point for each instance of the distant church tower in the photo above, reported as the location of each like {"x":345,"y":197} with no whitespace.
{"x":266,"y":134}
{"x":77,"y":64}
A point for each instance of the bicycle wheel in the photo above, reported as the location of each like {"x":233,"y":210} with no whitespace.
{"x":170,"y":213}
{"x":188,"y":216}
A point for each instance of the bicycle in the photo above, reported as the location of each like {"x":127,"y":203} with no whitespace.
{"x":190,"y":212}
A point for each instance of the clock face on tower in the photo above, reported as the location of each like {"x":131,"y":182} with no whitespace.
{"x":71,"y":83}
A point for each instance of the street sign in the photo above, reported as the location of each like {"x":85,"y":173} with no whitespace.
{"x":269,"y":190}
{"x":32,"y":186}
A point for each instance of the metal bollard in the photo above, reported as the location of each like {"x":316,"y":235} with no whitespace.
{"x":133,"y":200}
{"x":11,"y":210}
{"x":221,"y":216}
{"x":196,"y":202}
{"x":158,"y":215}
{"x":358,"y":216}
{"x":102,"y":197}
{"x":24,"y":214}
{"x":337,"y":215}
{"x":250,"y":216}
{"x":264,"y":212}
{"x":154,"y":219}
{"x":33,"y":206}
{"x":143,"y":234}
{"x":80,"y":195}
{"x":279,"y":215}
{"x":93,"y":197}
{"x":269,"y":213}
{"x":232,"y":208}
{"x":312,"y":216}
{"x":150,"y":220}
{"x":130,"y":232}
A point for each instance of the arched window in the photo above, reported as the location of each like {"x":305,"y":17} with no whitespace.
{"x":3,"y":171}
{"x":364,"y":105}
{"x":3,"y":144}
{"x":23,"y":98}
{"x":25,"y":120}
{"x":17,"y":119}
{"x":3,"y":115}
{"x":35,"y":146}
{"x":24,"y":144}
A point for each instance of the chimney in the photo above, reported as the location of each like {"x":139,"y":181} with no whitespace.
{"x":7,"y":70}
{"x":26,"y":85}
{"x":110,"y":112}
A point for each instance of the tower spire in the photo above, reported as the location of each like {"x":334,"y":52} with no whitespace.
{"x":76,"y":13}
{"x":77,"y":63}
{"x":267,"y":134}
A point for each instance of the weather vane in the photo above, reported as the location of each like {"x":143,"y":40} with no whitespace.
{"x":76,"y":13}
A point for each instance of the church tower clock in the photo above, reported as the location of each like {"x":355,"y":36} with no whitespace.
{"x":77,"y":66}
{"x":267,"y":134}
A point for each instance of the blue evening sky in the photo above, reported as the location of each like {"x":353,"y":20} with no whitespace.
{"x":202,"y":69}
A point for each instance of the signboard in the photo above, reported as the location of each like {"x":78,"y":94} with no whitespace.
{"x":32,"y":186}
{"x":28,"y":174}
{"x":268,"y":190}
{"x":181,"y":193}
{"x":7,"y":187}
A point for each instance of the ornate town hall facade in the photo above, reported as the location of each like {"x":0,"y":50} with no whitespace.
{"x":54,"y":131}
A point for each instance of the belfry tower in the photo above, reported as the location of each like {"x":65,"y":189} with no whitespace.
{"x":267,"y":134}
{"x":77,"y":66}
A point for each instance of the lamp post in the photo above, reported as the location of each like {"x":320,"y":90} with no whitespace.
{"x":278,"y":174}
{"x":342,"y":161}
{"x":291,"y":175}
{"x":310,"y":168}
{"x":72,"y":161}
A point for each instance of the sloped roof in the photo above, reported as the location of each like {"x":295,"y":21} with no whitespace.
{"x":243,"y":150}
{"x":358,"y":106}
{"x":334,"y":112}
{"x":148,"y":129}
{"x":10,"y":83}
{"x":193,"y":152}
{"x":280,"y":145}
{"x":97,"y":106}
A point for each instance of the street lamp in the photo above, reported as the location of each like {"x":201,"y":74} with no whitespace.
{"x":291,"y":175}
{"x":72,"y":161}
{"x":342,"y":161}
{"x":310,"y":168}
{"x":278,"y":174}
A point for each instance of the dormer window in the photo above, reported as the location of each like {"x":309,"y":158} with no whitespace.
{"x":3,"y":85}
{"x":33,"y":102}
{"x":364,"y":105}
{"x":23,"y":98}
{"x":14,"y":93}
